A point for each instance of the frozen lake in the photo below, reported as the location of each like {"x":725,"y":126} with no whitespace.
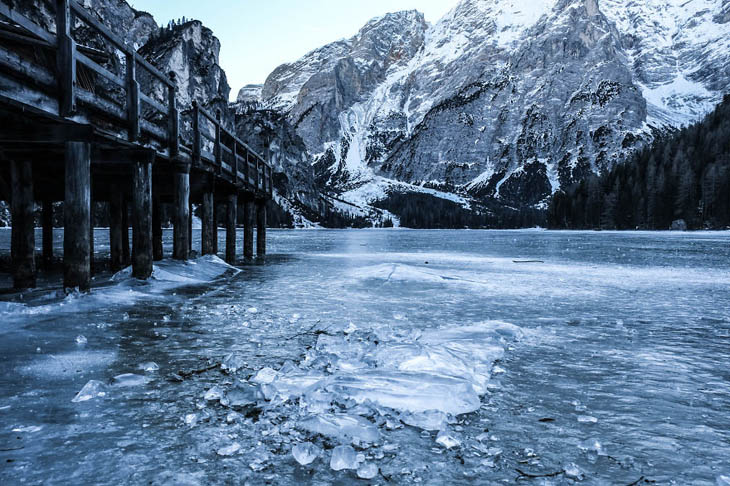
{"x":432,"y":357}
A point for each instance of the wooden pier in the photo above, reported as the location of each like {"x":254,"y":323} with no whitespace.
{"x":81,"y":125}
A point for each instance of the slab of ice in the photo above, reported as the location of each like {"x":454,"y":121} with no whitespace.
{"x":233,"y":362}
{"x":305,"y":453}
{"x":91,"y":390}
{"x":229,"y":450}
{"x":408,"y":391}
{"x":367,"y":471}
{"x":344,"y":427}
{"x":264,"y":376}
{"x":149,"y":367}
{"x":129,"y":379}
{"x":214,"y":393}
{"x":343,"y":457}
{"x":427,"y":420}
{"x":81,"y":340}
{"x":447,"y":440}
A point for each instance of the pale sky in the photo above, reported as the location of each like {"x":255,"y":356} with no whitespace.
{"x":258,"y":36}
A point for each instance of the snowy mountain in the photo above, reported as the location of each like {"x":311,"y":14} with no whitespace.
{"x":502,"y":99}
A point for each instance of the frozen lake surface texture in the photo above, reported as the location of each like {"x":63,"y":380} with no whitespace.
{"x":382,"y":357}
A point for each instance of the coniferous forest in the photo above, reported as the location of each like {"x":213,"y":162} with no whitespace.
{"x":683,"y":178}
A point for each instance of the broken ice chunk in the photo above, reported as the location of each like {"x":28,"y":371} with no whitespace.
{"x":587,"y":419}
{"x":233,"y":363}
{"x":230,"y":450}
{"x":426,"y":420}
{"x":343,"y":457}
{"x":92,"y":389}
{"x":81,"y":340}
{"x":572,"y":471}
{"x":150,"y":366}
{"x":215,"y":393}
{"x":264,"y":376}
{"x":722,"y":481}
{"x":252,"y":310}
{"x":447,"y":440}
{"x":356,"y":429}
{"x":367,"y":471}
{"x":129,"y":379}
{"x":191,"y":419}
{"x":305,"y":453}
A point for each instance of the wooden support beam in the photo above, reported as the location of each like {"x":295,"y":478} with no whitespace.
{"x":231,"y":220}
{"x":260,"y":228}
{"x":77,"y":216}
{"x":173,"y":118}
{"x":66,"y":58}
{"x":181,"y":236}
{"x":190,"y":225}
{"x":248,"y":224}
{"x":142,"y":255}
{"x":216,"y":214}
{"x":47,"y":223}
{"x":157,"y":250}
{"x":116,"y":206}
{"x":209,"y":233}
{"x":91,"y":233}
{"x":133,"y":106}
{"x":23,"y":230}
{"x":126,"y":257}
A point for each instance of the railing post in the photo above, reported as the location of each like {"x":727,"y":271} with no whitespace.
{"x":132,"y":96}
{"x":173,"y":118}
{"x":271,"y":180}
{"x":258,"y":173}
{"x":66,"y":59}
{"x":218,"y":150}
{"x":235,"y":161}
{"x":246,"y":170}
{"x":196,"y":132}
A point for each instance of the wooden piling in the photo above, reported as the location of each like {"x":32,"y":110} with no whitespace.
{"x":77,"y":216}
{"x":47,"y":223}
{"x":190,"y":226}
{"x":209,"y":227}
{"x":181,"y":232}
{"x":23,"y":230}
{"x":126,"y":257}
{"x":157,"y":249}
{"x":216,"y":213}
{"x":116,"y":205}
{"x":231,"y":220}
{"x":260,"y":228}
{"x":248,"y":224}
{"x":142,"y":256}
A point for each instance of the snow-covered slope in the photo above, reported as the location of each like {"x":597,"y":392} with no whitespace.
{"x":504,"y":98}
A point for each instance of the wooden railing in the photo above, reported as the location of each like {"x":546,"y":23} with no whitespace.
{"x":142,"y":113}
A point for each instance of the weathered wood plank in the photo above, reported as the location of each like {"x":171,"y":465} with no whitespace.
{"x":231,"y":220}
{"x":248,"y":225}
{"x":260,"y":228}
{"x":142,"y":254}
{"x":209,"y":226}
{"x":100,"y":70}
{"x":181,"y":236}
{"x":23,"y":229}
{"x":77,"y":216}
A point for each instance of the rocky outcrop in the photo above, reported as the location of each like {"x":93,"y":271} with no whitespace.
{"x":191,"y":52}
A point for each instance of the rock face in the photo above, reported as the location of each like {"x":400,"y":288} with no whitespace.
{"x":505,"y":100}
{"x":191,"y":51}
{"x":269,"y":133}
{"x":132,"y":25}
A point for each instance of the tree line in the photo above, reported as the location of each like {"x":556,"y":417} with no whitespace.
{"x":682,"y":179}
